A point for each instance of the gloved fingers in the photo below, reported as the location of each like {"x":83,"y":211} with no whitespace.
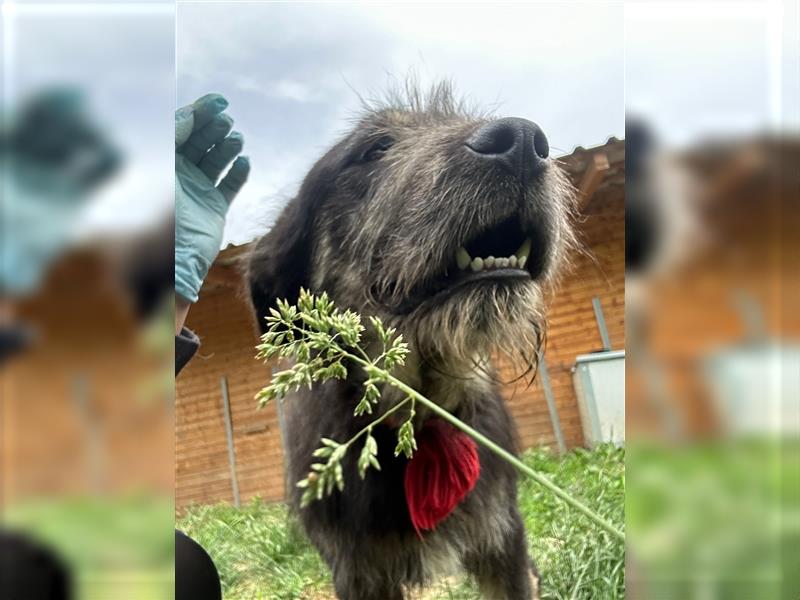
{"x":197,"y":115}
{"x":221,"y":155}
{"x":202,"y":140}
{"x":206,"y":108}
{"x":235,"y":179}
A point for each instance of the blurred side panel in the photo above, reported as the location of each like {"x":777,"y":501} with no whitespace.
{"x":712,"y":289}
{"x":85,"y":293}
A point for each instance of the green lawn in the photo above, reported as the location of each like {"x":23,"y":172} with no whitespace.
{"x":715,"y":519}
{"x":262,"y":553}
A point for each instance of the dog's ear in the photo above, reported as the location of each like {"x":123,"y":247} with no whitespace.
{"x":279,"y":265}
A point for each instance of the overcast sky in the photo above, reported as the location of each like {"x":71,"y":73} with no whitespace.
{"x":292,"y":70}
{"x":291,"y":73}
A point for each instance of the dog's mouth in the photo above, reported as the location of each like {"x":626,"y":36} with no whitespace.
{"x":503,"y":249}
{"x":502,"y":254}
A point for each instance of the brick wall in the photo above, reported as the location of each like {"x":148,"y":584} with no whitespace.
{"x":202,"y":473}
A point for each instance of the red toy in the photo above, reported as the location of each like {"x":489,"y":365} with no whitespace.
{"x":443,"y":470}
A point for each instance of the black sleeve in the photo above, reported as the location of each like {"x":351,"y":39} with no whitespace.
{"x":31,"y":570}
{"x":186,"y":344}
{"x":196,"y":576}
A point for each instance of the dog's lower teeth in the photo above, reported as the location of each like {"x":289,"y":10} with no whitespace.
{"x":518,"y":260}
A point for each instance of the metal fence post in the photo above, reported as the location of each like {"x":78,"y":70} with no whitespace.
{"x":81,"y":395}
{"x":282,"y":428}
{"x":601,"y":323}
{"x":226,"y":411}
{"x":551,"y":404}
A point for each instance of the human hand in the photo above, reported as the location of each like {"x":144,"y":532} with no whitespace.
{"x":54,"y":155}
{"x":204,"y":147}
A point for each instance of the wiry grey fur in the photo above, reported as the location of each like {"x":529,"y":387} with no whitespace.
{"x":378,"y":237}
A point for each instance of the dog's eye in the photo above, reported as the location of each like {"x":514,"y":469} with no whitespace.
{"x":377,"y":150}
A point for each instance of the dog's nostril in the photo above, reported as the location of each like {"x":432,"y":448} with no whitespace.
{"x":517,"y":145}
{"x":540,"y":144}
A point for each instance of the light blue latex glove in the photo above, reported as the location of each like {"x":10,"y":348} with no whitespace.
{"x":52,"y":156}
{"x":204,"y":147}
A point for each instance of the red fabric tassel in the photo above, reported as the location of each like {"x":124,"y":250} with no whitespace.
{"x":443,"y":470}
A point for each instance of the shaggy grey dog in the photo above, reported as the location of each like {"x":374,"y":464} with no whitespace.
{"x":451,"y":226}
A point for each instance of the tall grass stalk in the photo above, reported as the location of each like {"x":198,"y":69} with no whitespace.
{"x":322,"y":340}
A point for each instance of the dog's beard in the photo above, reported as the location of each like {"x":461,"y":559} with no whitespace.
{"x":461,"y":333}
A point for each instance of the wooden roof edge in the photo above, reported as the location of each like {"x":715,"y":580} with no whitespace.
{"x":580,"y":158}
{"x":593,"y":176}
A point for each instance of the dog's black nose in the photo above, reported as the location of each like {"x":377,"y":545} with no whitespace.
{"x":518,"y":145}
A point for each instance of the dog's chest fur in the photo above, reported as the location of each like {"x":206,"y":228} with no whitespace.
{"x":370,"y":515}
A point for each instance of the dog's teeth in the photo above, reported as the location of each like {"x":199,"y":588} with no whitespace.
{"x":502,"y":263}
{"x":489,"y":262}
{"x":525,"y":249}
{"x":462,"y":258}
{"x":522,"y":261}
{"x":512,"y":261}
{"x":477,"y":264}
